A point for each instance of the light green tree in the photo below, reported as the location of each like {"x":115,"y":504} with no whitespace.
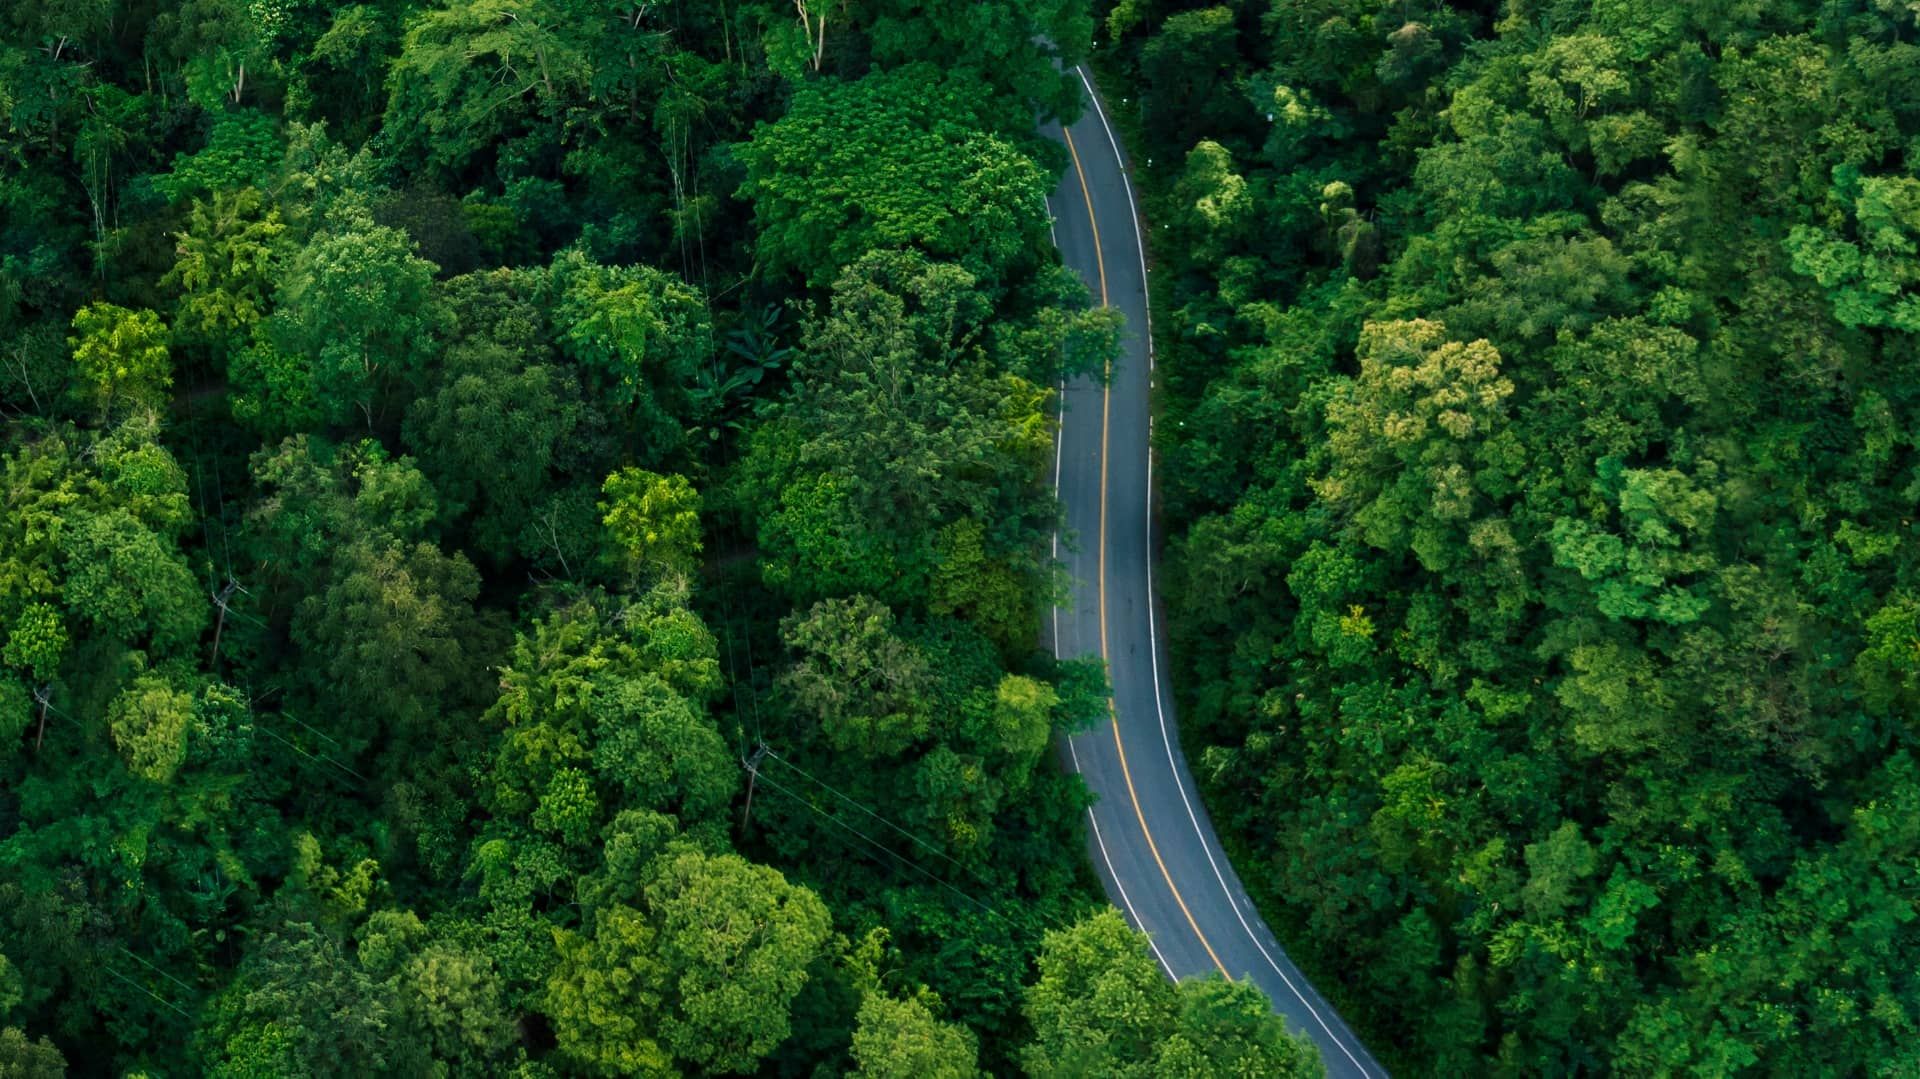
{"x":1101,"y":1007}
{"x":604,"y":996}
{"x":1872,"y":277}
{"x":223,"y":263}
{"x":36,"y":641}
{"x":736,"y":941}
{"x":121,"y":357}
{"x":150,"y":720}
{"x":901,"y":158}
{"x":447,"y":996}
{"x":652,"y":520}
{"x":130,"y":583}
{"x":641,"y":332}
{"x":901,"y":1039}
{"x":26,"y":1058}
{"x":1401,"y":438}
{"x":703,"y":974}
{"x":615,"y":695}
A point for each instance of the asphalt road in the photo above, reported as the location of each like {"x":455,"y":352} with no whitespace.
{"x":1150,"y":838}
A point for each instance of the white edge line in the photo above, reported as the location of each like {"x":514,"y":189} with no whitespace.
{"x":1108,"y":859}
{"x":1126,"y":183}
{"x":1153,"y":636}
{"x":1059,"y":454}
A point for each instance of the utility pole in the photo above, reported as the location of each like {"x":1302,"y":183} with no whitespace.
{"x":220,"y":600}
{"x":753,"y":773}
{"x":42,"y":694}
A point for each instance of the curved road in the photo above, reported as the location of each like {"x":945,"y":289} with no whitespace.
{"x":1150,"y":838}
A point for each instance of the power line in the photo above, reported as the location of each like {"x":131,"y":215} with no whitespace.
{"x":855,"y":803}
{"x":884,"y":849}
{"x":199,"y":472}
{"x":64,"y":717}
{"x":315,"y":730}
{"x":753,"y":686}
{"x":200,"y":482}
{"x":255,"y":716}
{"x":733,"y":678}
{"x":733,"y":612}
{"x":310,"y":756}
{"x":156,"y":970}
{"x":921,"y":843}
{"x":163,"y":1000}
{"x":220,"y":504}
{"x":49,"y":709}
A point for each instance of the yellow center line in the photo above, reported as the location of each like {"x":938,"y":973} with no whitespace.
{"x":1113,"y":714}
{"x":1099,"y":260}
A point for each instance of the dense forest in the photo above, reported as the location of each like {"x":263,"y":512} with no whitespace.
{"x":525,"y":527}
{"x":524,"y":545}
{"x":1541,"y":381}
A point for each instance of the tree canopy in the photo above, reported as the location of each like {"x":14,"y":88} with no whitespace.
{"x":503,"y":500}
{"x":1534,"y":458}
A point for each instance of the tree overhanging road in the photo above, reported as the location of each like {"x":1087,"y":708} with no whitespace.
{"x":1150,"y":837}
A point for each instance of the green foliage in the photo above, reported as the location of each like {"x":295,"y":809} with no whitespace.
{"x":243,"y":151}
{"x":703,"y":973}
{"x":602,"y":996}
{"x":864,"y":684}
{"x":910,"y":415}
{"x":469,"y":73}
{"x":89,"y":552}
{"x":224,"y":263}
{"x":16,"y":711}
{"x":1540,"y":611}
{"x":447,"y":996}
{"x":395,"y":398}
{"x":1402,"y":436}
{"x":653,"y":520}
{"x":736,"y":942}
{"x":995,"y":43}
{"x":121,"y":357}
{"x":901,"y":1039}
{"x":992,"y":592}
{"x":391,"y":635}
{"x":1101,"y":1007}
{"x":902,"y":158}
{"x":343,"y":72}
{"x":23,"y":1058}
{"x":36,"y":641}
{"x":124,"y":581}
{"x":640,"y":332}
{"x":354,"y":308}
{"x":300,"y":1005}
{"x":149,"y":721}
{"x":490,"y":437}
{"x":618,"y":692}
{"x":1876,"y":280}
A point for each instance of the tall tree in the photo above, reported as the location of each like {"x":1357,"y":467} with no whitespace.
{"x":907,"y":157}
{"x":1101,"y":1007}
